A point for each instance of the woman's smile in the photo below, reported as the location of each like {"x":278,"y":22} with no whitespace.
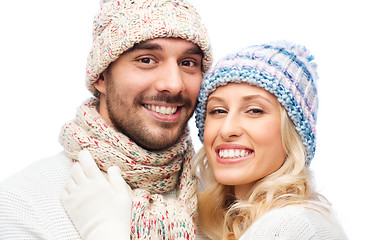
{"x":231,"y":154}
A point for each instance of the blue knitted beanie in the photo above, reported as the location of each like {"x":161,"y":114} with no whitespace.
{"x":282,"y":68}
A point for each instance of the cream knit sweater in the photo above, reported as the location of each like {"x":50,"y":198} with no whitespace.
{"x":294,"y":222}
{"x":30,"y":207}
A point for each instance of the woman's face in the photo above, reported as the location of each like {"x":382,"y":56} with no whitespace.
{"x":242,"y":136}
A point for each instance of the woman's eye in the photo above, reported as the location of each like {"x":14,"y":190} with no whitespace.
{"x":146,"y":60}
{"x":217,"y":111}
{"x":255,"y":111}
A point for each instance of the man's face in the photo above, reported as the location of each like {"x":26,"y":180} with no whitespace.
{"x":150,"y":92}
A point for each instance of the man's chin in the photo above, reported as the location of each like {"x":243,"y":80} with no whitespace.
{"x":153,"y":139}
{"x":164,"y":141}
{"x":156,"y":144}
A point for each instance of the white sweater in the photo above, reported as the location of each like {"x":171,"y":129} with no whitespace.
{"x":30,"y":207}
{"x":294,"y":222}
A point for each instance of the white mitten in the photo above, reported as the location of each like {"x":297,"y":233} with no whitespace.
{"x":100,"y":208}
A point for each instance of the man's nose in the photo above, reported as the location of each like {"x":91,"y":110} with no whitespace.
{"x":170,"y":79}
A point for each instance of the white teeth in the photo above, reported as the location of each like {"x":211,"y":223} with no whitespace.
{"x":242,"y":152}
{"x":233,"y":153}
{"x":162,"y":110}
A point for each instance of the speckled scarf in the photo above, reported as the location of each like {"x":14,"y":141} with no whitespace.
{"x":148,"y":173}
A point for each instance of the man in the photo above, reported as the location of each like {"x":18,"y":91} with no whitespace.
{"x":144,"y":69}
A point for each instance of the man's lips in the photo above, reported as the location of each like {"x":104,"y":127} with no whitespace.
{"x":164,"y":110}
{"x":164,"y":113}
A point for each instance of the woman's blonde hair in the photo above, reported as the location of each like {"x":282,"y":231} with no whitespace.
{"x":222,"y":216}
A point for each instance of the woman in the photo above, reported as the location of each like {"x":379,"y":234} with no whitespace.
{"x":256,"y":117}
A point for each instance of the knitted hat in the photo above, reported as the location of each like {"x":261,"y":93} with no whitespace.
{"x":282,"y":68}
{"x":121,"y":24}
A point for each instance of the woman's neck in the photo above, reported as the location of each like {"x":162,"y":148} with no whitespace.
{"x":241,"y":191}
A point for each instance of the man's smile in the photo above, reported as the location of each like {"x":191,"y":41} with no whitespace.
{"x":161,"y":109}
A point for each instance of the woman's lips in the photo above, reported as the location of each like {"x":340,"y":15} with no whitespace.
{"x":230,"y":154}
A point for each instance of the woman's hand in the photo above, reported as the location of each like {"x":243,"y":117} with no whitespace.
{"x":100,"y":208}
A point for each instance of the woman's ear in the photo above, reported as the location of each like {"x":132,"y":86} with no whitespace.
{"x":101,"y":84}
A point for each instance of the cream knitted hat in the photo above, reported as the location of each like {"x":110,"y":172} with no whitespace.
{"x":122,"y":23}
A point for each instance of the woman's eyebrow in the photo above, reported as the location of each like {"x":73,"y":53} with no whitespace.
{"x":256,"y":96}
{"x":215,"y":98}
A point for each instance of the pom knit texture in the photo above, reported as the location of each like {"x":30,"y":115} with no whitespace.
{"x":121,"y":24}
{"x":282,"y":68}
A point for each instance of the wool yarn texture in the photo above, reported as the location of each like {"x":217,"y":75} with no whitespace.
{"x":121,"y":24}
{"x":283,"y":68}
{"x":148,"y":173}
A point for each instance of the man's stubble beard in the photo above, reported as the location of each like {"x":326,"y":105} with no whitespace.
{"x":123,"y":117}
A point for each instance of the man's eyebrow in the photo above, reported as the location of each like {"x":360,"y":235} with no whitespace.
{"x":145,"y":46}
{"x":154,"y":46}
{"x":194,"y":50}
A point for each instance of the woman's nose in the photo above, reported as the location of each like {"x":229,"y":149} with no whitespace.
{"x":231,"y":127}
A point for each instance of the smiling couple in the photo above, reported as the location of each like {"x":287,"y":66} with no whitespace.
{"x":128,"y":171}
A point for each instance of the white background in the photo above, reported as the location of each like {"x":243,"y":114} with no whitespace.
{"x":44,"y":46}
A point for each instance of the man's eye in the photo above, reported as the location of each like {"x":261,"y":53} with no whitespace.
{"x":147,"y":60}
{"x":188,"y":63}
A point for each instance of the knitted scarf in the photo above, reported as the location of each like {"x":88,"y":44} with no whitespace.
{"x":148,"y":173}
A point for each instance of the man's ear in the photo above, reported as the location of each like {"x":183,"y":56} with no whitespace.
{"x":101,"y":83}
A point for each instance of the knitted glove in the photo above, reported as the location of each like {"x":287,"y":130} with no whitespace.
{"x":100,"y":208}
